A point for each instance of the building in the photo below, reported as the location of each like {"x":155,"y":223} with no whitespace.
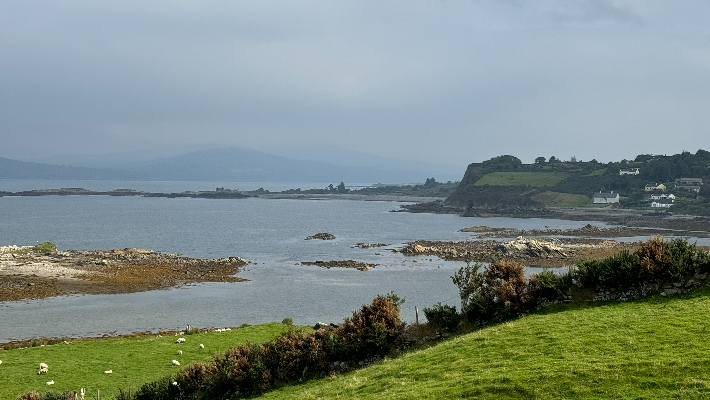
{"x":663,"y":196}
{"x":603,"y":197}
{"x":655,"y":186}
{"x":689,"y":181}
{"x":662,"y":203}
{"x":629,"y":171}
{"x":695,"y":189}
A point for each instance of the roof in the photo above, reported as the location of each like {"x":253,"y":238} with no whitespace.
{"x":605,"y":195}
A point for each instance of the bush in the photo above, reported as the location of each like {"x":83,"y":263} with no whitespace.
{"x":550,"y":285}
{"x":33,"y":395}
{"x":621,"y":269}
{"x":372,"y":331}
{"x":501,"y":291}
{"x":162,"y":389}
{"x":45,"y":248}
{"x":287,"y":321}
{"x":442,"y":317}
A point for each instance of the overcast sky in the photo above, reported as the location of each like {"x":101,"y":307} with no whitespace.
{"x":439,"y":81}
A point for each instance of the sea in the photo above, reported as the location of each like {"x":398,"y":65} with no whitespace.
{"x":270,"y":233}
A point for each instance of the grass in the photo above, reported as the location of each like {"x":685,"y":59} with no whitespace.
{"x":597,"y":172}
{"x":537,"y":179}
{"x":556,"y":199}
{"x":651,"y":349}
{"x":133,"y":360}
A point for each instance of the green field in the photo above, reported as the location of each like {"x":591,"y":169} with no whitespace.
{"x":133,"y":360}
{"x":652,"y":349}
{"x":536,"y":179}
{"x":597,"y":172}
{"x":556,"y":199}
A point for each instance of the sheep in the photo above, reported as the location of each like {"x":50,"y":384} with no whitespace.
{"x":174,"y":383}
{"x":179,"y":352}
{"x":50,"y":382}
{"x":43,"y":368}
{"x":202,"y":346}
{"x":0,"y":361}
{"x":180,"y":340}
{"x":176,"y":362}
{"x":108,"y":372}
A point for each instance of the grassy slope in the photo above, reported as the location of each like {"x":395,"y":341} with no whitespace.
{"x":651,"y":349}
{"x":537,"y":179}
{"x":556,"y":199}
{"x":134,"y":360}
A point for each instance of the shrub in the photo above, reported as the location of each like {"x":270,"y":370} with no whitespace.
{"x":621,"y":269}
{"x":45,"y":248}
{"x":372,"y":331}
{"x":501,"y":291}
{"x":652,"y":258}
{"x":124,"y":395}
{"x":443,"y":317}
{"x":241,"y":370}
{"x":287,"y":321}
{"x":244,"y":325}
{"x":684,"y":258}
{"x":33,"y":395}
{"x":162,"y":389}
{"x":298,"y":355}
{"x":550,"y":285}
{"x":193,"y":379}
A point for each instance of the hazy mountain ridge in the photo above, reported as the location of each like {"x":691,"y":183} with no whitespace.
{"x":223,"y":164}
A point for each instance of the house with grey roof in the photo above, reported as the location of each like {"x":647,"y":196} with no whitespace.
{"x":603,"y":197}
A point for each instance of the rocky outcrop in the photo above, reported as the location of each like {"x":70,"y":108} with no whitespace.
{"x":321,"y":236}
{"x":539,"y":252}
{"x":26,"y":274}
{"x":369,"y":245}
{"x":359,"y":265}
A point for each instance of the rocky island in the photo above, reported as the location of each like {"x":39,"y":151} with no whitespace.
{"x":30,"y":272}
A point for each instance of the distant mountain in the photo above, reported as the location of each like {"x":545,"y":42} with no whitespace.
{"x":398,"y":170}
{"x":13,"y":169}
{"x":244,"y":165}
{"x":222,"y":164}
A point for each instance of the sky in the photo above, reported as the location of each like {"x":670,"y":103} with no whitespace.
{"x":449,"y":82}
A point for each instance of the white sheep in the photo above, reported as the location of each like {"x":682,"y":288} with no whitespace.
{"x":108,"y":372}
{"x":180,"y":340}
{"x":0,"y":361}
{"x":174,"y":383}
{"x":43,"y":365}
{"x":202,"y":346}
{"x":176,"y":362}
{"x":50,"y":382}
{"x":179,"y":352}
{"x":42,"y":371}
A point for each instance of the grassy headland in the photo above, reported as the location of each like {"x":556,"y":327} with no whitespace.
{"x":648,"y":349}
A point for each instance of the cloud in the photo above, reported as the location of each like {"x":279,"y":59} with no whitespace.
{"x":433,"y":80}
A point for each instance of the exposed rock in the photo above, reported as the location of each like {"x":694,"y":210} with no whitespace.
{"x":26,"y":275}
{"x":321,"y":236}
{"x":359,"y":265}
{"x":370,"y":245}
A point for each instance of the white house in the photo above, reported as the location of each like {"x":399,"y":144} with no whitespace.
{"x":662,"y":196}
{"x":603,"y":197}
{"x":629,"y":171}
{"x":662,"y":203}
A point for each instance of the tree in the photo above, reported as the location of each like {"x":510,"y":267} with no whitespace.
{"x":554,"y":159}
{"x":341,"y":188}
{"x":540,"y":160}
{"x":429,"y":182}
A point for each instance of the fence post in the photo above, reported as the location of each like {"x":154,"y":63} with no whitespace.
{"x":416,"y":314}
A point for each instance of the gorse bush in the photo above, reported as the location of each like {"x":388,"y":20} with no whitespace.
{"x":550,"y":285}
{"x":45,"y":248}
{"x":442,"y":317}
{"x":249,"y":369}
{"x":655,"y":261}
{"x":501,"y":291}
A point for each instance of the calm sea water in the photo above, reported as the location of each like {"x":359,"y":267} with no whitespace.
{"x":270,"y":233}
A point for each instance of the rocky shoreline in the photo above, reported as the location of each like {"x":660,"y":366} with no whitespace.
{"x":585,"y":231}
{"x":553,"y":252}
{"x":358,"y":265}
{"x":26,"y":274}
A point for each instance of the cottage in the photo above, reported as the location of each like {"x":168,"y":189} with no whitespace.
{"x":603,"y":197}
{"x":689,"y":181}
{"x":629,"y":171}
{"x":662,"y":196}
{"x":695,"y":189}
{"x":655,"y":186}
{"x":662,"y":203}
